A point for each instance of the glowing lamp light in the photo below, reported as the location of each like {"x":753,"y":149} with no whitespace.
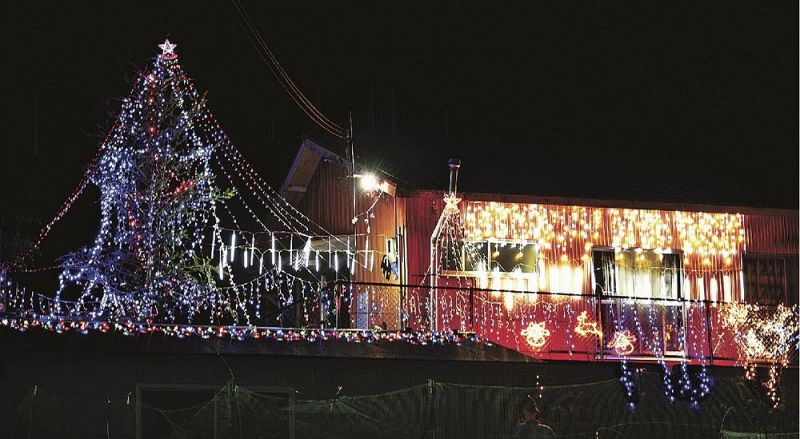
{"x":369,"y":182}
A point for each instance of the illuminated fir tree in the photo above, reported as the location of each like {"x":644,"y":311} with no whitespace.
{"x":157,"y":194}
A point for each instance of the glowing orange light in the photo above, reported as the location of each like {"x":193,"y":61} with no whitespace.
{"x":536,"y":335}
{"x":623,"y":342}
{"x":586,"y":327}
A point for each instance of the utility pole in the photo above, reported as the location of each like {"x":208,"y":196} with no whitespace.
{"x":353,"y":179}
{"x":351,"y":268}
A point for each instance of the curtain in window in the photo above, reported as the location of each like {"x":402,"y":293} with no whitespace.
{"x":604,"y":271}
{"x":647,"y":274}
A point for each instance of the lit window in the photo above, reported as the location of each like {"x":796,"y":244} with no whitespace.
{"x":476,"y":257}
{"x":638,"y":273}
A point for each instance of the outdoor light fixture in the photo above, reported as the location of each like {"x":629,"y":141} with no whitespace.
{"x":371,"y":183}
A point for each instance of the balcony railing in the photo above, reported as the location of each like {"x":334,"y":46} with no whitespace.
{"x":538,"y":324}
{"x":557,"y":325}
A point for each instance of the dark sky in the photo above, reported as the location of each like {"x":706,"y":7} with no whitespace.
{"x":644,"y":102}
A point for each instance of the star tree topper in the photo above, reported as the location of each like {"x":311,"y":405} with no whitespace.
{"x":167,"y":49}
{"x":451,"y":203}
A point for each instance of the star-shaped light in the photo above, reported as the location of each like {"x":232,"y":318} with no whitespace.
{"x":451,"y":203}
{"x":167,"y":48}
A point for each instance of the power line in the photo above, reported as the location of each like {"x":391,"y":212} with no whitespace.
{"x":281,"y":76}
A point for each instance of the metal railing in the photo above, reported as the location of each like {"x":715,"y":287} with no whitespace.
{"x":539,"y":324}
{"x":567,"y":325}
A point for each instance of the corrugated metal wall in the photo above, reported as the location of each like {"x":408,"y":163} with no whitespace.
{"x":771,"y":234}
{"x":329,"y":199}
{"x":329,"y":202}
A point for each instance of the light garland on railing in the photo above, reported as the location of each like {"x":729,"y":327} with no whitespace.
{"x":657,"y":348}
{"x":763,"y":335}
{"x":586,"y":327}
{"x":561,"y":231}
{"x":623,"y":342}
{"x":628,"y":377}
{"x":243,"y":332}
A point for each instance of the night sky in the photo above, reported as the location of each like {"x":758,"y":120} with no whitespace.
{"x":695,"y":104}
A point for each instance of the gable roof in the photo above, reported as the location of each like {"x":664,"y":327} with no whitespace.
{"x":305,"y":164}
{"x":311,"y":153}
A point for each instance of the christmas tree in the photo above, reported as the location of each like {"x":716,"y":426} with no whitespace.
{"x":162,"y":254}
{"x":157,"y":194}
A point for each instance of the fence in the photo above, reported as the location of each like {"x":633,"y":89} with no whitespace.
{"x":562,"y":326}
{"x":539,"y":324}
{"x":436,"y":410}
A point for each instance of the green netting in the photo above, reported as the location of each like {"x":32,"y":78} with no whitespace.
{"x":725,"y":434}
{"x":736,"y":409}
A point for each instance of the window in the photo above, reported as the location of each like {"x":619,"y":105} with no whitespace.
{"x":604,"y":279}
{"x":476,"y":257}
{"x":512,"y":258}
{"x":645,"y":274}
{"x":637,"y":273}
{"x":770,"y":280}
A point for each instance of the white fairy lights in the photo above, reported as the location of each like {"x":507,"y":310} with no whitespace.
{"x":763,"y":335}
{"x":157,"y":174}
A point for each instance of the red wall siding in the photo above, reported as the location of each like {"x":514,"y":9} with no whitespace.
{"x":328,"y":201}
{"x":770,"y":234}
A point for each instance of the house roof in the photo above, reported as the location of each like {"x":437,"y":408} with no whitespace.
{"x":311,"y":153}
{"x":305,"y":163}
{"x":620,"y":204}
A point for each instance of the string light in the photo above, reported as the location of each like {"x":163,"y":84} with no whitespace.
{"x":252,"y":248}
{"x":233,"y":246}
{"x":179,"y":159}
{"x":623,"y":342}
{"x":586,"y":327}
{"x":156,"y":174}
{"x":712,"y":243}
{"x":244,"y":332}
{"x":536,"y":335}
{"x":762,"y":334}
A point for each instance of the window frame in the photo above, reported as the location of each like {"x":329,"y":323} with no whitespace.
{"x":787,"y":260}
{"x":615,"y":287}
{"x":615,"y":300}
{"x":489,"y":258}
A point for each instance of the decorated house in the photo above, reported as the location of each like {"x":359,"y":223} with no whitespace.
{"x":559,"y":278}
{"x":346,"y":268}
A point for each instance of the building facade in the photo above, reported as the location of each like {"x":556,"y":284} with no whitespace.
{"x":552,"y":277}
